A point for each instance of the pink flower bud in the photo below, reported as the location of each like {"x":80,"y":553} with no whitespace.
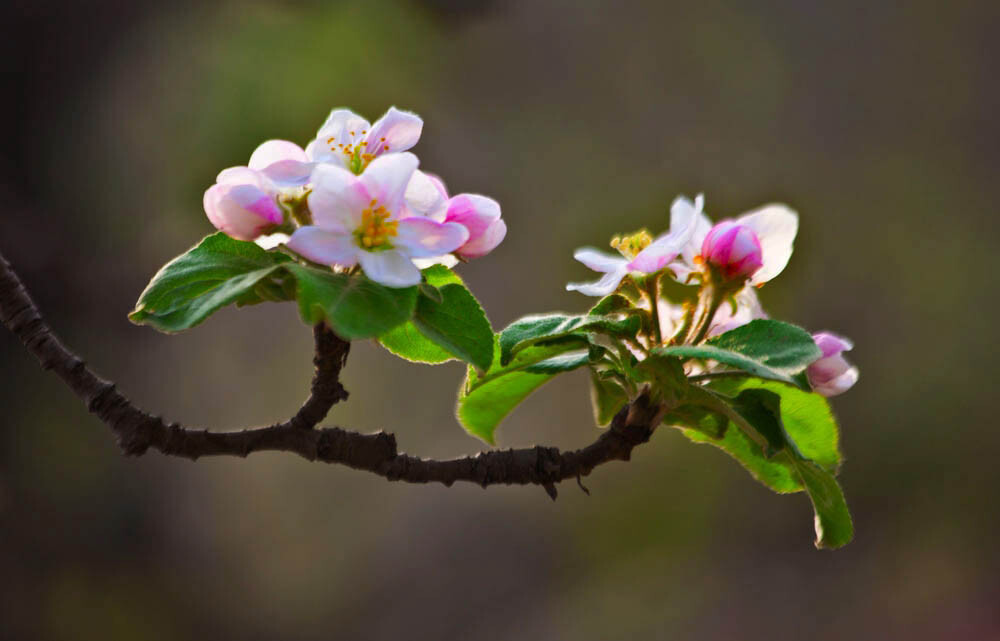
{"x":242,"y":204}
{"x":734,"y":249}
{"x":481,"y":216}
{"x":831,"y":374}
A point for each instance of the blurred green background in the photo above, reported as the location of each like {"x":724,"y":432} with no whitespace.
{"x":877,"y":121}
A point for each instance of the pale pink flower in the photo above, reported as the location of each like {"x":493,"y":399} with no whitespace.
{"x":426,"y":195}
{"x":346,"y":139}
{"x":363,"y":220}
{"x":831,"y":374}
{"x":774,"y":227}
{"x":242,"y":203}
{"x":684,"y":216}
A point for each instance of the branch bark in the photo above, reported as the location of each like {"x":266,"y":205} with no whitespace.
{"x":137,"y":431}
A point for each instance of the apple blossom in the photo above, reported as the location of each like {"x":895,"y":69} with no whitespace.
{"x":242,"y":203}
{"x":426,"y":195}
{"x":363,"y":220}
{"x":831,"y":374}
{"x":640,"y":253}
{"x":346,"y":139}
{"x":774,"y":227}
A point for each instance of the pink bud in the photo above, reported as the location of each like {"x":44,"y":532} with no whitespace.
{"x":831,"y":374}
{"x":481,"y":216}
{"x":242,"y":204}
{"x":733,"y":248}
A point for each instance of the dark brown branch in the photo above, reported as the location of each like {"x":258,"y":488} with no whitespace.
{"x":138,"y":431}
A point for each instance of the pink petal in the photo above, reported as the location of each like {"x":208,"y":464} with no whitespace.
{"x":344,"y":127}
{"x":423,"y":238}
{"x":475,"y":212}
{"x":486,"y":242}
{"x":274,"y":151}
{"x":395,"y":131}
{"x":426,"y":196}
{"x":683,"y":223}
{"x":831,"y":344}
{"x":241,"y":211}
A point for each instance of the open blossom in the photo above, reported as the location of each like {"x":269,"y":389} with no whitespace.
{"x":363,"y":220}
{"x":426,"y":195}
{"x":242,"y":203}
{"x":346,"y":139}
{"x":773,"y":227}
{"x":640,"y":253}
{"x":831,"y":374}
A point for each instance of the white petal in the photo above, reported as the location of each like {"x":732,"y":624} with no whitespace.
{"x":390,"y":268}
{"x":448,"y":260}
{"x":607,"y":284}
{"x":775,"y":226}
{"x":683,"y":222}
{"x":840,"y":384}
{"x":395,"y":131}
{"x":386,"y":178}
{"x":337,"y":198}
{"x":272,"y":240}
{"x":599,"y":261}
{"x":703,"y":225}
{"x":325,"y":247}
{"x":342,"y":127}
{"x":426,"y":196}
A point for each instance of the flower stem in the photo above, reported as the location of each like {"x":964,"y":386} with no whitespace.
{"x":652,"y":291}
{"x":714,"y":297}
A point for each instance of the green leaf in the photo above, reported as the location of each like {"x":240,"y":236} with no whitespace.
{"x":806,"y":419}
{"x":610,"y":305}
{"x":834,"y":527}
{"x":457,"y":323}
{"x":354,"y":306}
{"x":215,"y":273}
{"x":764,"y":348}
{"x":710,"y":423}
{"x":447,"y":325}
{"x":606,"y":396}
{"x":543,"y":328}
{"x":486,"y":398}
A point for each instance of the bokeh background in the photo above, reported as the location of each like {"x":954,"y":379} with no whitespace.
{"x":877,"y":121}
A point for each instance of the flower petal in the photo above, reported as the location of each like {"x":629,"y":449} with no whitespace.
{"x":337,"y":198}
{"x":390,"y":268}
{"x":831,"y":344}
{"x":386,"y":179}
{"x":272,"y":151}
{"x":598,"y":260}
{"x":838,"y":385}
{"x":683,"y":222}
{"x":486,"y":242}
{"x":775,"y":226}
{"x":420,"y":237}
{"x":395,"y":131}
{"x":607,"y":284}
{"x":325,"y":247}
{"x":426,"y":196}
{"x":342,"y":127}
{"x":241,"y":211}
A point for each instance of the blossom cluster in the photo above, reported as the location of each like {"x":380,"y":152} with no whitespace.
{"x":731,"y":259}
{"x":354,"y":198}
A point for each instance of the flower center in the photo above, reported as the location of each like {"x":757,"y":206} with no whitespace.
{"x":629,"y":246}
{"x":376,"y":228}
{"x":358,"y":153}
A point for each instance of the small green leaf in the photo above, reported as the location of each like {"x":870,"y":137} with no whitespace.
{"x":215,"y":273}
{"x":449,"y":325}
{"x":834,"y":527}
{"x":606,"y":396}
{"x":537,"y":329}
{"x":457,"y":323}
{"x":765,"y":348}
{"x":354,"y":306}
{"x":486,"y":398}
{"x":610,"y":305}
{"x":710,"y":423}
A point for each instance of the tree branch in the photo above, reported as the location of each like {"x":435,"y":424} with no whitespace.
{"x":137,"y":431}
